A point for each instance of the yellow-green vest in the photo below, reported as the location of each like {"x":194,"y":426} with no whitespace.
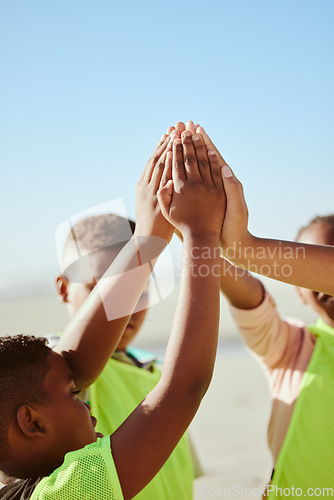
{"x":305,"y":465}
{"x":114,"y":395}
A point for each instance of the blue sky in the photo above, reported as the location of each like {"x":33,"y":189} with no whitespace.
{"x":87,"y":88}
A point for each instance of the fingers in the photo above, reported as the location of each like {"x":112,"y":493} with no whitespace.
{"x":216,"y":173}
{"x":159,"y":155}
{"x":180,"y":126}
{"x":202,"y":157}
{"x":170,"y":130}
{"x":178,"y":170}
{"x":167,"y":173}
{"x":236,"y":202}
{"x":191,"y":126}
{"x":160,"y":168}
{"x":189,"y":155}
{"x":165,"y":196}
{"x":207,"y":141}
{"x":161,"y":141}
{"x":209,"y":144}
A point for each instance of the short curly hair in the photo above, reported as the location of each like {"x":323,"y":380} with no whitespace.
{"x":100,"y":231}
{"x":23,"y":367}
{"x":89,"y":236}
{"x":319,"y":219}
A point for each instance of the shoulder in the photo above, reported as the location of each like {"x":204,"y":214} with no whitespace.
{"x":86,"y":473}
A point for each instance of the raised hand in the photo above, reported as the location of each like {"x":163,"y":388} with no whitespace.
{"x":234,"y":231}
{"x":192,"y":195}
{"x":150,"y":221}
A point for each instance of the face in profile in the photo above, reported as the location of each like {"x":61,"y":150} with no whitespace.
{"x":81,"y":277}
{"x":320,"y":233}
{"x":41,"y":434}
{"x":69,"y":423}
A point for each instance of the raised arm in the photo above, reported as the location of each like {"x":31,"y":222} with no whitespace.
{"x":300,"y":264}
{"x":238,"y":286}
{"x":195,"y":203}
{"x":93,"y":334}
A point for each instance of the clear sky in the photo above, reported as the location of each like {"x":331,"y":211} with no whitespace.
{"x":88,"y":87}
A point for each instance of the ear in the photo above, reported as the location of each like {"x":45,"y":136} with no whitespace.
{"x":300,"y":292}
{"x":62,"y":288}
{"x":30,"y":421}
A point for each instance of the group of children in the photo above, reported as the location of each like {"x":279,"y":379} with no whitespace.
{"x":50,"y":445}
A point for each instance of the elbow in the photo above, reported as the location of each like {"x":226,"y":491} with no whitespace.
{"x":195,"y":390}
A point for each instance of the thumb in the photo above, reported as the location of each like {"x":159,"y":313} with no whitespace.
{"x":233,"y":189}
{"x":165,"y":195}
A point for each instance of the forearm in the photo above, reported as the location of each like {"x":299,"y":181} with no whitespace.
{"x":191,"y":350}
{"x":94,"y":333}
{"x":167,"y":411}
{"x":239,"y":287}
{"x":299,"y":264}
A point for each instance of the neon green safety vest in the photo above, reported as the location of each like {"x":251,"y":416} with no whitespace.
{"x":305,"y":465}
{"x":86,"y":474}
{"x":114,"y":395}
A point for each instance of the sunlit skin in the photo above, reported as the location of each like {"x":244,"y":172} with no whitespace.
{"x":74,"y":293}
{"x":319,"y":234}
{"x":166,"y":412}
{"x":41,"y":435}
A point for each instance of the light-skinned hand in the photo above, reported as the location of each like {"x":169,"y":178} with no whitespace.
{"x":150,"y":221}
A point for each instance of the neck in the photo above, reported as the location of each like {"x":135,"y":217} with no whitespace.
{"x":328,"y":321}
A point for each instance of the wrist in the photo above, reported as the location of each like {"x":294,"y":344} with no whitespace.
{"x":202,"y":240}
{"x":143,"y":233}
{"x":148,"y":247}
{"x":240,"y":250}
{"x":200,"y":235}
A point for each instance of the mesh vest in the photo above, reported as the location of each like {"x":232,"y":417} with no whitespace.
{"x":86,"y":474}
{"x":306,"y":459}
{"x":114,"y":395}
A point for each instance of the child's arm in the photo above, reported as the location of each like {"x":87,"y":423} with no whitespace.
{"x":93,"y":334}
{"x":195,"y":206}
{"x":300,"y":264}
{"x":239,"y":287}
{"x":307,"y":266}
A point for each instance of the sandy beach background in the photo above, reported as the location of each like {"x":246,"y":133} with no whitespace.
{"x":229,"y":431}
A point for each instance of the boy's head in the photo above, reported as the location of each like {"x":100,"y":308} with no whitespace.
{"x":90,"y":248}
{"x":319,"y":231}
{"x":41,"y":417}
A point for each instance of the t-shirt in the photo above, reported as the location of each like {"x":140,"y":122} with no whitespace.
{"x":285,"y":347}
{"x":86,"y":474}
{"x":20,"y":490}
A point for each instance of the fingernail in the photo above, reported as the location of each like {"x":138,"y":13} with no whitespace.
{"x":195,"y":137}
{"x":177,"y":142}
{"x":211,"y":152}
{"x":227,"y":172}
